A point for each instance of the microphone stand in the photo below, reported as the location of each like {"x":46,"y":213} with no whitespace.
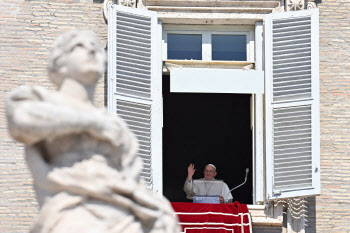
{"x":245,"y":180}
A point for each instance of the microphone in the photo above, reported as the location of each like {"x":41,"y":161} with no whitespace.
{"x":245,"y":180}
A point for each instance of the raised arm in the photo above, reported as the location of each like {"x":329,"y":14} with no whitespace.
{"x":190,"y":172}
{"x":188,"y":186}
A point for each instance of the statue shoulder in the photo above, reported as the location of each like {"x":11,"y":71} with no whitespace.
{"x":28,"y":93}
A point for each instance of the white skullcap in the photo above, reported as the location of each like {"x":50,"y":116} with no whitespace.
{"x":211,"y":165}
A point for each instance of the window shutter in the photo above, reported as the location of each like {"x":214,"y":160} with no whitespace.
{"x":134,"y":82}
{"x":292,"y":104}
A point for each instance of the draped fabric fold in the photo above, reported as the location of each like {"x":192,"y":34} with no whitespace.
{"x":214,"y":218}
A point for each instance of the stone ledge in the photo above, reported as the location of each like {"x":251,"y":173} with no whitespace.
{"x":266,"y":217}
{"x":213,"y":3}
{"x":212,"y":6}
{"x":210,"y":18}
{"x":184,"y":9}
{"x":242,"y":65}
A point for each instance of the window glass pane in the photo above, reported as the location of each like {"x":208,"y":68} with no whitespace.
{"x":184,"y":46}
{"x":229,"y":47}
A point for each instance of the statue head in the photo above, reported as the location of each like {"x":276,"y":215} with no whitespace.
{"x":77,"y":55}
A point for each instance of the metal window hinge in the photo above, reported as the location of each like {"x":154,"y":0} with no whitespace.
{"x":277,"y":192}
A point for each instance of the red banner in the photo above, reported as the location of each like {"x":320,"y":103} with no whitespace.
{"x":213,"y":218}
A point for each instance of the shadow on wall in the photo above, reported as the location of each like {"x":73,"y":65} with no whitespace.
{"x":310,"y":224}
{"x":310,"y":218}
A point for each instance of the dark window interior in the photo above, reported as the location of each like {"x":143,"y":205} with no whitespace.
{"x":229,"y":47}
{"x":206,"y":128}
{"x":185,"y":46}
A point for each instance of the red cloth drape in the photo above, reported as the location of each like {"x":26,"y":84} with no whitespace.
{"x":215,"y":218}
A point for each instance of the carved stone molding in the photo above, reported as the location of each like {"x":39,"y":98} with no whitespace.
{"x":295,"y":5}
{"x":311,"y":5}
{"x":128,"y":3}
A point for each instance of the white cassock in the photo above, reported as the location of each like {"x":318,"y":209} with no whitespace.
{"x":207,"y":188}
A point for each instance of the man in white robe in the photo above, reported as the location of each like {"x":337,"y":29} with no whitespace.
{"x":207,"y":186}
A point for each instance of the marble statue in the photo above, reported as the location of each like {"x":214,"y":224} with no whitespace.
{"x":83,"y":159}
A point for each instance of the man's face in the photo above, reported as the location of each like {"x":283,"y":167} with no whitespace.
{"x":209,"y":173}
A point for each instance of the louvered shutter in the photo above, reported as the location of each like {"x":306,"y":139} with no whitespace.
{"x":292,"y":104}
{"x":134,"y":82}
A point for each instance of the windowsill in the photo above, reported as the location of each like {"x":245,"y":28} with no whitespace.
{"x":245,"y":65}
{"x":256,"y":207}
{"x":262,"y":216}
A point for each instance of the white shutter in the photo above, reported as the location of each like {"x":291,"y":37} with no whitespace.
{"x":292,"y":104}
{"x":134,"y":82}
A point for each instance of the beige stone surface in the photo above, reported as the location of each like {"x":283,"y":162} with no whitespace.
{"x":82,"y":159}
{"x":28,"y":30}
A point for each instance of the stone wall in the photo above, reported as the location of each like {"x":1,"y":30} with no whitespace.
{"x":28,"y":29}
{"x":333,"y":206}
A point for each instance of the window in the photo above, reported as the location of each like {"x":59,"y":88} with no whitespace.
{"x":198,"y":113}
{"x":184,"y":47}
{"x":229,"y":47}
{"x":208,"y":43}
{"x":291,"y":90}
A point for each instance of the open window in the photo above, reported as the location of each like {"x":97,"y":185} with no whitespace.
{"x":208,"y":109}
{"x":289,"y":147}
{"x":203,"y":128}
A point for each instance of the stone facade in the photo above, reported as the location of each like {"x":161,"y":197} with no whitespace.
{"x":28,"y":29}
{"x":333,"y":206}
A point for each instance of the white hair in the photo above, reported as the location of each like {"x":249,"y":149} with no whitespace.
{"x":211,"y":165}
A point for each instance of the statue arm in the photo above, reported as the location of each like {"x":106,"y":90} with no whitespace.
{"x":31,"y":119}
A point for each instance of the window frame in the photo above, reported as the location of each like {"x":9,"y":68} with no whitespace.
{"x":255,"y":51}
{"x":206,"y":31}
{"x":254,"y":38}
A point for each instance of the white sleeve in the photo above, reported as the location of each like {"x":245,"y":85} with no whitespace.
{"x":188,"y":188}
{"x":227,"y":194}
